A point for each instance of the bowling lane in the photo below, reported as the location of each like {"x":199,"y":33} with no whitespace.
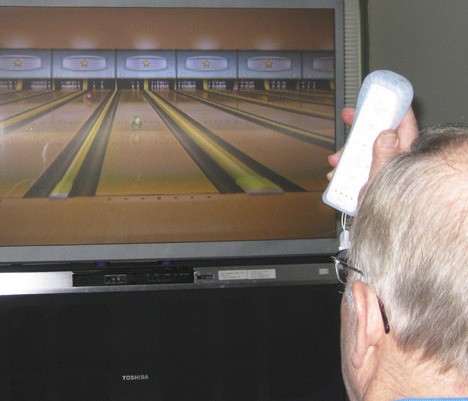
{"x":300,"y":162}
{"x":147,"y":160}
{"x":28,"y":103}
{"x":27,"y":152}
{"x":17,"y":95}
{"x":311,"y":104}
{"x":305,"y":122}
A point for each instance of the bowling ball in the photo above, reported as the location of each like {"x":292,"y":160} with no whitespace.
{"x":88,"y":99}
{"x":136,"y":122}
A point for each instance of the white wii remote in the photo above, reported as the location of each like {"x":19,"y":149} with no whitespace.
{"x":383,"y":101}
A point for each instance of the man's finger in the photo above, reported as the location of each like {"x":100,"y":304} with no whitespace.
{"x":347,"y":115}
{"x":407,"y":131}
{"x":386,"y":147}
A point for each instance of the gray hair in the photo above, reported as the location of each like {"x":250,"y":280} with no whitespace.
{"x":410,"y":239}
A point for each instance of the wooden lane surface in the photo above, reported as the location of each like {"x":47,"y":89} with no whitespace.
{"x":24,"y":104}
{"x":179,"y":217}
{"x":305,"y":122}
{"x":28,"y":151}
{"x":300,"y":162}
{"x":147,"y":160}
{"x":185,"y":218}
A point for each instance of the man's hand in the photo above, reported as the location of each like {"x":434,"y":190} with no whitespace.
{"x":387,"y":145}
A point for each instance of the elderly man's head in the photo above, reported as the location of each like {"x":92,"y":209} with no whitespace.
{"x":410,"y":246}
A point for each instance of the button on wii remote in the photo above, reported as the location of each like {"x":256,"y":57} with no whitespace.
{"x":383,"y":101}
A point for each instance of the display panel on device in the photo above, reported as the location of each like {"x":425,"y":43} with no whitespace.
{"x":131,"y":133}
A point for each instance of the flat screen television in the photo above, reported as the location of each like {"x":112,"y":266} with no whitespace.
{"x":168,"y":130}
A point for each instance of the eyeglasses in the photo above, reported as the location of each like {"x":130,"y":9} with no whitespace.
{"x":342,"y":269}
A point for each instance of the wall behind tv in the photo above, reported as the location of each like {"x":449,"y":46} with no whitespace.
{"x":426,"y":41}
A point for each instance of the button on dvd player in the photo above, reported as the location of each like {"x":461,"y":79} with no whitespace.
{"x":133,"y":276}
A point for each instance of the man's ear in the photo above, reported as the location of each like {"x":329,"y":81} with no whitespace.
{"x":369,"y":326}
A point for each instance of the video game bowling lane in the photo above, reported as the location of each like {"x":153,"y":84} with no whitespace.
{"x":293,"y":159}
{"x":288,"y":110}
{"x":30,"y":149}
{"x":146,"y":158}
{"x":24,"y":103}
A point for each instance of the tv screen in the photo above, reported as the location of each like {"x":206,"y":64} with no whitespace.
{"x":168,"y":132}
